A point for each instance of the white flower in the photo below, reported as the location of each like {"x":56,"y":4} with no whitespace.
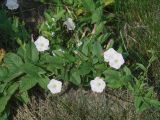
{"x":42,"y":44}
{"x":55,"y":86}
{"x":114,"y":58}
{"x":97,"y":85}
{"x":108,"y":55}
{"x":12,"y":4}
{"x":70,"y":24}
{"x":117,"y":61}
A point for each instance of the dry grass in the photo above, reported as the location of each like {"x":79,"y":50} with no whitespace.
{"x":82,"y":105}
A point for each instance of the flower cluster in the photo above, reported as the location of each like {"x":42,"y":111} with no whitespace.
{"x":98,"y":85}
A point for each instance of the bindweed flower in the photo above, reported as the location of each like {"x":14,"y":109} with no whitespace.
{"x":108,"y":55}
{"x":98,"y":85}
{"x":42,"y":44}
{"x":117,"y":61}
{"x":55,"y":86}
{"x":114,"y":58}
{"x":70,"y":24}
{"x":12,"y":4}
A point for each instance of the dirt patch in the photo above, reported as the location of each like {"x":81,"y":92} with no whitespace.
{"x":82,"y":105}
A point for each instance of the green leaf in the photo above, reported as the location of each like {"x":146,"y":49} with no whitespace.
{"x":85,"y":68}
{"x":75,"y":77}
{"x":85,"y":47}
{"x":24,"y":97}
{"x":3,"y":73}
{"x":97,"y":49}
{"x":43,"y":82}
{"x":97,"y":15}
{"x":4,"y":115}
{"x":127,"y":70}
{"x":89,"y":5}
{"x":12,"y":76}
{"x":29,"y":53}
{"x":138,"y":102}
{"x":59,"y":15}
{"x":28,"y":82}
{"x":2,"y":87}
{"x":12,"y":59}
{"x":32,"y":69}
{"x":114,"y":78}
{"x":99,"y":29}
{"x":9,"y":92}
{"x":155,"y":103}
{"x":141,"y":66}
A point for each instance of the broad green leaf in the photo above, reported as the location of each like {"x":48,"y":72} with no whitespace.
{"x":97,"y":49}
{"x":27,"y":83}
{"x":59,"y":14}
{"x":12,"y":59}
{"x":32,"y":69}
{"x":99,"y":28}
{"x":13,"y":76}
{"x":2,"y":87}
{"x":89,"y":5}
{"x":9,"y":92}
{"x":85,"y":68}
{"x":138,"y":102}
{"x":43,"y":82}
{"x":3,"y":73}
{"x":4,"y":115}
{"x":29,"y":53}
{"x":155,"y":103}
{"x":75,"y":77}
{"x":97,"y":15}
{"x":69,"y":58}
{"x":100,"y":68}
{"x":24,"y":97}
{"x":114,"y":78}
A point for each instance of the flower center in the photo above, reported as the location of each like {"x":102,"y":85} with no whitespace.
{"x":54,"y":86}
{"x":98,"y":84}
{"x":116,"y":61}
{"x":42,"y":45}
